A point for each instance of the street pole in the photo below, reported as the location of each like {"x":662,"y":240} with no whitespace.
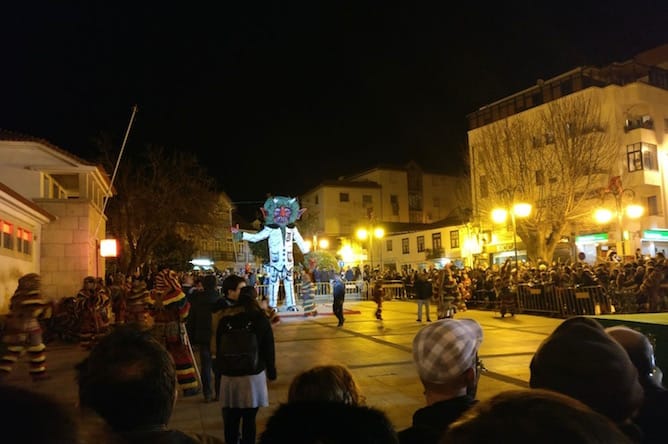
{"x":512,"y":218}
{"x":618,"y":202}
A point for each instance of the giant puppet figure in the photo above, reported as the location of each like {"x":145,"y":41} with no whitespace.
{"x":280,"y":214}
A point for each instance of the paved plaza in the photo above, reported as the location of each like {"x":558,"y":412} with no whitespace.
{"x":377,"y":352}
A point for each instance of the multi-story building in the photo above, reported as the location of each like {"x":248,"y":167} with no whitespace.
{"x":398,"y":199}
{"x":632,"y":108}
{"x":214,"y":246}
{"x":52,"y":216}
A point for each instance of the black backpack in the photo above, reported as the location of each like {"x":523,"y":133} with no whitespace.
{"x":237,"y":351}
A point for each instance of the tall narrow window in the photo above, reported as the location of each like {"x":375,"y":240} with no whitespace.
{"x":649,"y":157}
{"x":634,"y":157}
{"x":388,"y":245}
{"x":344,"y":197}
{"x":436,"y":241}
{"x":7,"y":235}
{"x":420,"y":244}
{"x":652,"y":206}
{"x":540,"y":177}
{"x":404,"y":246}
{"x":394,"y":202}
{"x":484,"y":187}
{"x":454,"y":239}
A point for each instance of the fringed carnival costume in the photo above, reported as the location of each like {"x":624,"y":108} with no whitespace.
{"x":170,"y":310}
{"x":23,"y":332}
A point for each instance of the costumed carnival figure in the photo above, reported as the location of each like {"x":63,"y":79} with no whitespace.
{"x":22,"y":329}
{"x":93,"y":306}
{"x":170,"y":310}
{"x":280,"y":214}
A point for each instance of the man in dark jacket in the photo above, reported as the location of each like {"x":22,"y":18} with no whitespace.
{"x":446,"y":356}
{"x":199,"y":325}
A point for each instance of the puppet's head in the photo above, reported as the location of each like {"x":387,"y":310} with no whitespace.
{"x":281,"y":210}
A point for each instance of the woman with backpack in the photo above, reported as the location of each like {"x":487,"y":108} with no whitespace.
{"x":245,"y":359}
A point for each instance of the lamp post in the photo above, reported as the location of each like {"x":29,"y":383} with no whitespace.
{"x":364,"y":233}
{"x":500,"y":215}
{"x":633,"y":211}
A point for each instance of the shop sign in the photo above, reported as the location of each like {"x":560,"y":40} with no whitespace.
{"x":591,"y":238}
{"x":660,"y":235}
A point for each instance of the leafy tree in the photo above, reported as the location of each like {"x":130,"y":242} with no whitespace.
{"x":156,"y":190}
{"x":175,"y":252}
{"x":554,"y":157}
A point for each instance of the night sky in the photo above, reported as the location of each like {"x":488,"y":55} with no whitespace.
{"x":274,"y":97}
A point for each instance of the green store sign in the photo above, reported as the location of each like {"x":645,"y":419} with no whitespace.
{"x":591,"y":238}
{"x":661,"y":235}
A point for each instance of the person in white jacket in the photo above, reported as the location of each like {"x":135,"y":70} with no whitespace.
{"x":280,"y":214}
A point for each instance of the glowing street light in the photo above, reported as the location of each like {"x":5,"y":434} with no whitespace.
{"x":633,"y":211}
{"x":375,"y":232}
{"x":500,"y":215}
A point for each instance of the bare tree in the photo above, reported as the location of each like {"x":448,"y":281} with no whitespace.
{"x":157,"y":190}
{"x":555,"y":157}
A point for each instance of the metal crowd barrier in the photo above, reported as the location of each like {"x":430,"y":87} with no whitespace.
{"x":323,"y":291}
{"x":563,"y":302}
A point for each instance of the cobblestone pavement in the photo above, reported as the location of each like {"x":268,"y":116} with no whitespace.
{"x":377,"y":352}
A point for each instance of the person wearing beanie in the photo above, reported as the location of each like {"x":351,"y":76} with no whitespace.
{"x":581,"y":360}
{"x":446,"y":356}
{"x":653,"y":415}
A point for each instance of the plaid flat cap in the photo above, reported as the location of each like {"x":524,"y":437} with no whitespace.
{"x":446,"y":349}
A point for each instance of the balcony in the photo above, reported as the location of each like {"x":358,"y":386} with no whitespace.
{"x":435,"y":253}
{"x":644,"y":122}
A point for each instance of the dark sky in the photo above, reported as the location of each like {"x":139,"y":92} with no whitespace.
{"x":273,"y":97}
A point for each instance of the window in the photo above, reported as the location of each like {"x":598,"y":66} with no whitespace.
{"x":484,"y":187}
{"x":388,"y":245}
{"x":24,"y":240}
{"x":536,"y":142}
{"x":437,"y":202}
{"x":649,"y":158}
{"x":394,"y":202}
{"x":404,"y":246}
{"x":420,"y":244}
{"x":665,"y":125}
{"x":652,"y":206}
{"x":344,"y":197}
{"x":317,"y":199}
{"x":436,"y":241}
{"x":634,"y":157}
{"x":7,"y":235}
{"x":540,"y":177}
{"x":549,"y":138}
{"x":366,"y":200}
{"x":454,"y":239}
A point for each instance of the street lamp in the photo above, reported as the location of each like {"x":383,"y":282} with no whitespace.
{"x":633,"y":211}
{"x":378,"y":233}
{"x":500,"y":215}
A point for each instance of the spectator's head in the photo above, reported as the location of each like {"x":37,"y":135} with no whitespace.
{"x":129,"y":380}
{"x":533,"y":416}
{"x":31,"y":417}
{"x":248,"y":298}
{"x":640,"y":350}
{"x":232,"y":284}
{"x":209,"y":282}
{"x":581,"y":360}
{"x":328,"y":422}
{"x":446,"y":355}
{"x":325,"y":383}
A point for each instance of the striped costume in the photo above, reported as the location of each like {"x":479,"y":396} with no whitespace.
{"x":22,"y":330}
{"x":308,"y":297}
{"x":170,"y":309}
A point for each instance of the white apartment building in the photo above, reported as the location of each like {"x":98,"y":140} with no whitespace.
{"x":633,"y":98}
{"x":51,"y":211}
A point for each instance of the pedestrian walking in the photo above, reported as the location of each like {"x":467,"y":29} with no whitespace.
{"x":339,"y":295}
{"x":378,"y":294}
